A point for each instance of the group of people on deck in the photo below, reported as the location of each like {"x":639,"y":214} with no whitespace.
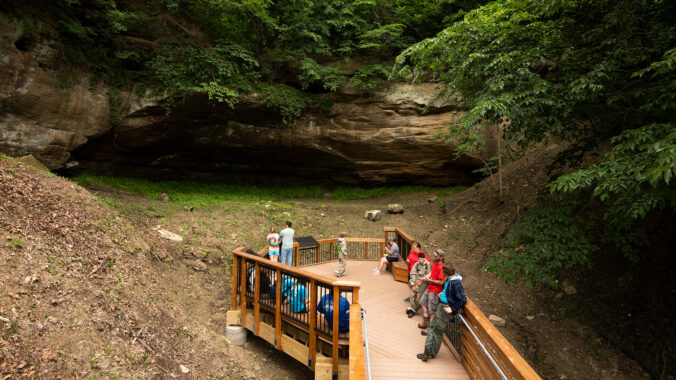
{"x":435,"y":288}
{"x":294,"y":293}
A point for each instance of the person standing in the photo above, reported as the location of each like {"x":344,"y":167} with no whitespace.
{"x":325,"y":308}
{"x":273,"y":245}
{"x":411,"y":259}
{"x":342,"y":255}
{"x":392,"y":251}
{"x":430,"y":298}
{"x":451,"y":301}
{"x":419,"y":272}
{"x":287,"y":244}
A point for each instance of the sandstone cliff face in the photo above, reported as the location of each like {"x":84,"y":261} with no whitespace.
{"x":39,"y":116}
{"x":383,"y":137}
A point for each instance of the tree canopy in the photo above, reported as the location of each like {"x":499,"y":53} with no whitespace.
{"x":574,"y":72}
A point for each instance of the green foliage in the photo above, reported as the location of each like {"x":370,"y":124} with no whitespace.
{"x":214,"y":194}
{"x":576,"y":73}
{"x":287,"y":100}
{"x":369,"y":76}
{"x":311,"y":72}
{"x":545,"y":243}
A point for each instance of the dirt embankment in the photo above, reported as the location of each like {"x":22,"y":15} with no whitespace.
{"x":83,"y":294}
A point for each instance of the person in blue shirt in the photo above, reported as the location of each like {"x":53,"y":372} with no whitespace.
{"x":451,"y":300}
{"x":325,"y":307}
{"x":297,"y":298}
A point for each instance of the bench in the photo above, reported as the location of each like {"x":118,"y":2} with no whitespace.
{"x":400,"y":270}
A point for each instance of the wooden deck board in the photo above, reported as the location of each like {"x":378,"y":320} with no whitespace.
{"x":394,"y":339}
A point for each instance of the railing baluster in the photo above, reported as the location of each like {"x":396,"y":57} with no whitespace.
{"x":278,"y":310}
{"x":335,"y":331}
{"x":257,"y":298}
{"x":331,"y":251}
{"x":312,"y":345}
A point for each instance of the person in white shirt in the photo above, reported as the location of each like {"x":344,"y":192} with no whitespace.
{"x":287,"y":244}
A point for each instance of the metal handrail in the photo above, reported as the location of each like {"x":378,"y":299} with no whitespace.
{"x":366,"y":345}
{"x":483,"y":348}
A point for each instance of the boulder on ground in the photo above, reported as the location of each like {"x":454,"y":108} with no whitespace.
{"x":163,"y":197}
{"x":34,"y":162}
{"x":199,"y":266}
{"x":170,"y":235}
{"x":373,"y":215}
{"x":497,"y":321}
{"x":432,"y":199}
{"x":395,"y":208}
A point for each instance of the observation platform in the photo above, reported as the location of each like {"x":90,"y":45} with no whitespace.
{"x":393,"y":338}
{"x":295,"y":307}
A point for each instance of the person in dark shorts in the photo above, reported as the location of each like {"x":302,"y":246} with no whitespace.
{"x":392,"y":251}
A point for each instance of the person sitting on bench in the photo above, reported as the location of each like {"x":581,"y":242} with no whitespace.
{"x":297,"y":298}
{"x":325,"y":307}
{"x":392,"y":250}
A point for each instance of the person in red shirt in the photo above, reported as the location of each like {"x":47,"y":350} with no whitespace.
{"x":413,"y":256}
{"x":412,"y":259}
{"x":435,"y":282}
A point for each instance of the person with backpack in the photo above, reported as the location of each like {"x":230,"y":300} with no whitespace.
{"x":451,"y":301}
{"x":341,"y":251}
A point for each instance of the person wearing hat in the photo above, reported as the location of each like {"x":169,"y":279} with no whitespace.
{"x":392,"y":251}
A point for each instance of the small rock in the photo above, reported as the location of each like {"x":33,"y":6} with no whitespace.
{"x":373,"y":215}
{"x":170,"y":236}
{"x":530,"y":317}
{"x":268,"y":206}
{"x":257,"y":367}
{"x":322,"y":214}
{"x":558,"y":295}
{"x":568,"y":287}
{"x":40,"y":326}
{"x":34,"y":162}
{"x":286,"y":213}
{"x":432,"y":199}
{"x":496,"y":321}
{"x":53,"y":320}
{"x":183,"y":368}
{"x":327,"y":194}
{"x":199,"y":266}
{"x":395,"y":208}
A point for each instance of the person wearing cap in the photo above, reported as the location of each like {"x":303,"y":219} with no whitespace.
{"x":418,"y":273}
{"x":392,"y":251}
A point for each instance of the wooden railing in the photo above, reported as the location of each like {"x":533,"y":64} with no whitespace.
{"x":357,"y":249}
{"x":258,"y":285}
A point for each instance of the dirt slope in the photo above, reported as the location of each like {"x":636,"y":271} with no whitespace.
{"x":82,"y":293}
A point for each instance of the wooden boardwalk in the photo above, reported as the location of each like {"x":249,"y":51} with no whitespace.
{"x":394,"y":339}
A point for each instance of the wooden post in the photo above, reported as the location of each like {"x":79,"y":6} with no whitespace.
{"x":257,"y":297}
{"x":312,"y":345}
{"x":335,"y":331}
{"x":331,"y":251}
{"x":297,"y":250}
{"x":242,"y":292}
{"x":366,"y":250}
{"x":278,"y":311}
{"x":355,"y":296}
{"x":234,"y":281}
{"x":382,"y":249}
{"x":319,"y":248}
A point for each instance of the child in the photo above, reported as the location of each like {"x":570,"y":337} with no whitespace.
{"x":273,"y":245}
{"x":342,"y":255}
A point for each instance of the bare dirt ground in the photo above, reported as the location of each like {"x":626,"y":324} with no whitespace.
{"x":88,"y":288}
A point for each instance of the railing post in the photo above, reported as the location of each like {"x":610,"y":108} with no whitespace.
{"x":366,"y":250}
{"x":335,"y":331}
{"x":297,"y":251}
{"x":382,"y":249}
{"x":312,"y":345}
{"x":234,"y":281}
{"x":355,"y":295}
{"x":318,"y":250}
{"x":257,"y":297}
{"x":278,"y":311}
{"x":242,"y":291}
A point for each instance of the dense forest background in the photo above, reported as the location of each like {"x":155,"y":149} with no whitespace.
{"x":596,"y":77}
